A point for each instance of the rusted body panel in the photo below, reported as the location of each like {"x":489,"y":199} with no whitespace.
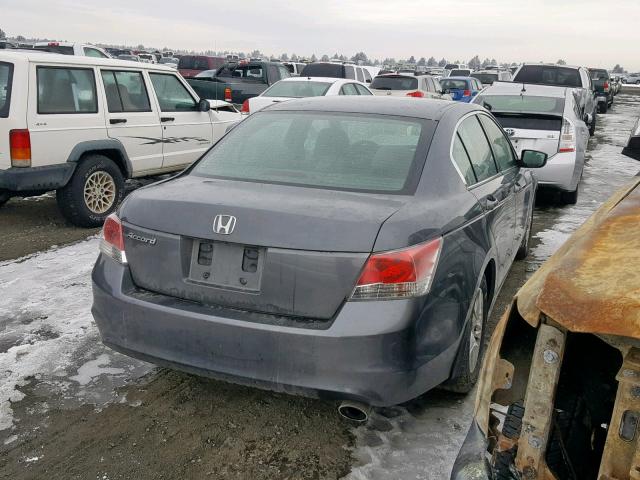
{"x":590,"y":286}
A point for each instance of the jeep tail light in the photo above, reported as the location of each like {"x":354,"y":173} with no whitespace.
{"x":417,"y":94}
{"x":112,"y":242}
{"x":567,"y":137}
{"x":227,"y":94}
{"x":20,"y":148}
{"x":398,"y":274}
{"x":606,"y":86}
{"x":245,"y":106}
{"x":466,"y":93}
{"x":53,"y":44}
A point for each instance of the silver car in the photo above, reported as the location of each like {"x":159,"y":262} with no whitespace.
{"x":548,"y":119}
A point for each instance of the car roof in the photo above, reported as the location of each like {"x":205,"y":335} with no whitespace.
{"x":532,"y":64}
{"x":515,"y":88}
{"x":405,"y":107}
{"x":47,"y":57}
{"x":457,"y":78}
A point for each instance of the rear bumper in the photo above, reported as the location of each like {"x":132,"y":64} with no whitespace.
{"x":36,"y":178}
{"x":366,"y":354}
{"x":562,"y":171}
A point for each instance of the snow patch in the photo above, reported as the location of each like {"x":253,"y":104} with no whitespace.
{"x":95,"y":368}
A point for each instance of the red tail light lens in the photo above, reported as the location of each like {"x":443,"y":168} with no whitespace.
{"x":466,"y":93}
{"x":20,"y":148}
{"x":227,"y":94}
{"x":112,"y":243}
{"x":399,"y":274}
{"x":567,"y":142}
{"x":245,"y":107}
{"x":606,"y":86}
{"x":417,"y":94}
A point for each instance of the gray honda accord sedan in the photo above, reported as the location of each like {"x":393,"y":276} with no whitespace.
{"x":342,"y":247}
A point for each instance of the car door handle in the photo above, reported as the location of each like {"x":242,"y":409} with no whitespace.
{"x":113,"y":121}
{"x":167,"y":119}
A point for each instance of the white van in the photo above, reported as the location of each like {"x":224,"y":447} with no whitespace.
{"x":82,"y":126}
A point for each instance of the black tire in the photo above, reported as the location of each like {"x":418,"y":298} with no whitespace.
{"x":602,"y":107}
{"x":464,"y":377}
{"x":569,"y":198}
{"x":592,"y":127}
{"x":72,"y":200}
{"x":523,"y":250}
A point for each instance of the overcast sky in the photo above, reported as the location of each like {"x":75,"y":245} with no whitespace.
{"x":586,"y":32}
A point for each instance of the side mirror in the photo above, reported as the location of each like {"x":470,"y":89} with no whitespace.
{"x":533,"y":159}
{"x":204,"y":105}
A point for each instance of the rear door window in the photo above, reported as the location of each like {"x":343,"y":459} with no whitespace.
{"x":172,"y":95}
{"x":360,"y":75}
{"x":348,"y":89}
{"x":477,"y":147}
{"x":499,"y":144}
{"x":66,"y":90}
{"x":367,"y":75}
{"x":6,"y":77}
{"x":362,"y":90}
{"x":349,"y":72}
{"x":462,"y":160}
{"x":125,"y":91}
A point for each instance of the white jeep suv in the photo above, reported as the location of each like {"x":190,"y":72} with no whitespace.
{"x":82,"y":126}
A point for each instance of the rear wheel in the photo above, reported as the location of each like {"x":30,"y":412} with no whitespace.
{"x":523,"y":251}
{"x":469,"y":358}
{"x":93,"y":193}
{"x":569,"y":198}
{"x":592,"y":127}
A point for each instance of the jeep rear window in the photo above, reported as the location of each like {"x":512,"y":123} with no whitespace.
{"x":245,"y":72}
{"x":66,"y":90}
{"x":394,"y":83}
{"x":337,"y":151}
{"x":6,"y":75}
{"x":55,"y":49}
{"x":549,"y":75}
{"x":599,"y":75}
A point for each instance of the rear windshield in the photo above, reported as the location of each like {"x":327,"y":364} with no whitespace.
{"x":190,"y":62}
{"x":331,"y":70}
{"x":486,"y":78}
{"x":530,"y":122}
{"x":599,"y":74}
{"x":452,"y":84}
{"x":55,"y":49}
{"x":247,"y":72}
{"x":297,"y":89}
{"x":460,"y":73}
{"x":450,"y":66}
{"x":394,"y":83}
{"x":6,"y":74}
{"x":354,"y":152}
{"x":522,"y":104}
{"x":549,"y":75}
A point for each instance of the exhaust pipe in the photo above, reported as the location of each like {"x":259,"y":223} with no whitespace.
{"x":354,"y":411}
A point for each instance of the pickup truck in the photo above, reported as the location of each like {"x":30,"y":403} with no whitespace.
{"x":601,"y":88}
{"x":237,"y":82}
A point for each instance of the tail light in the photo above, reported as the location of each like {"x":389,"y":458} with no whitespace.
{"x":466,"y":93}
{"x":112,"y":242}
{"x":417,"y":94}
{"x":567,"y":137}
{"x":53,"y":44}
{"x":227,"y":94}
{"x":245,"y":106}
{"x":20,"y":148}
{"x":606,"y":86}
{"x":399,"y":274}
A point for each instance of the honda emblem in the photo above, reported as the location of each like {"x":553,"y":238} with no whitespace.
{"x":224,"y":224}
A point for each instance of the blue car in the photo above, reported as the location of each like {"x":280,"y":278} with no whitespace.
{"x":461,"y":89}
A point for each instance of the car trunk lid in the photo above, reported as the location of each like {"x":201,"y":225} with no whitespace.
{"x":287,"y":258}
{"x":532,"y":131}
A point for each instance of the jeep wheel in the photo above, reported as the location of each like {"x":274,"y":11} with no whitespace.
{"x":469,"y":358}
{"x":94,"y":192}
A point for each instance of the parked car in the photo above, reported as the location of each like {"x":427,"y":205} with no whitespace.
{"x":336,"y":246}
{"x":129,"y":58}
{"x":295,"y":68}
{"x":302,"y":87}
{"x":632,"y":78}
{"x":423,"y":86}
{"x":70,"y":48}
{"x":190,"y":65}
{"x":237,"y":82}
{"x":147,"y":58}
{"x":487,"y":77}
{"x":546,"y":119}
{"x":337,"y":70}
{"x":563,"y":76}
{"x":461,"y":89}
{"x":460,"y":72}
{"x":601,"y":88}
{"x":169,"y":62}
{"x":82,"y":125}
{"x":615,"y":83}
{"x":557,"y":396}
{"x":116,"y":52}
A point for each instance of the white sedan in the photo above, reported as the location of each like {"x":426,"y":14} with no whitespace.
{"x":301,"y":87}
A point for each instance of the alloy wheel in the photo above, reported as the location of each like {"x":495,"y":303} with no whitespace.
{"x":99,"y":192}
